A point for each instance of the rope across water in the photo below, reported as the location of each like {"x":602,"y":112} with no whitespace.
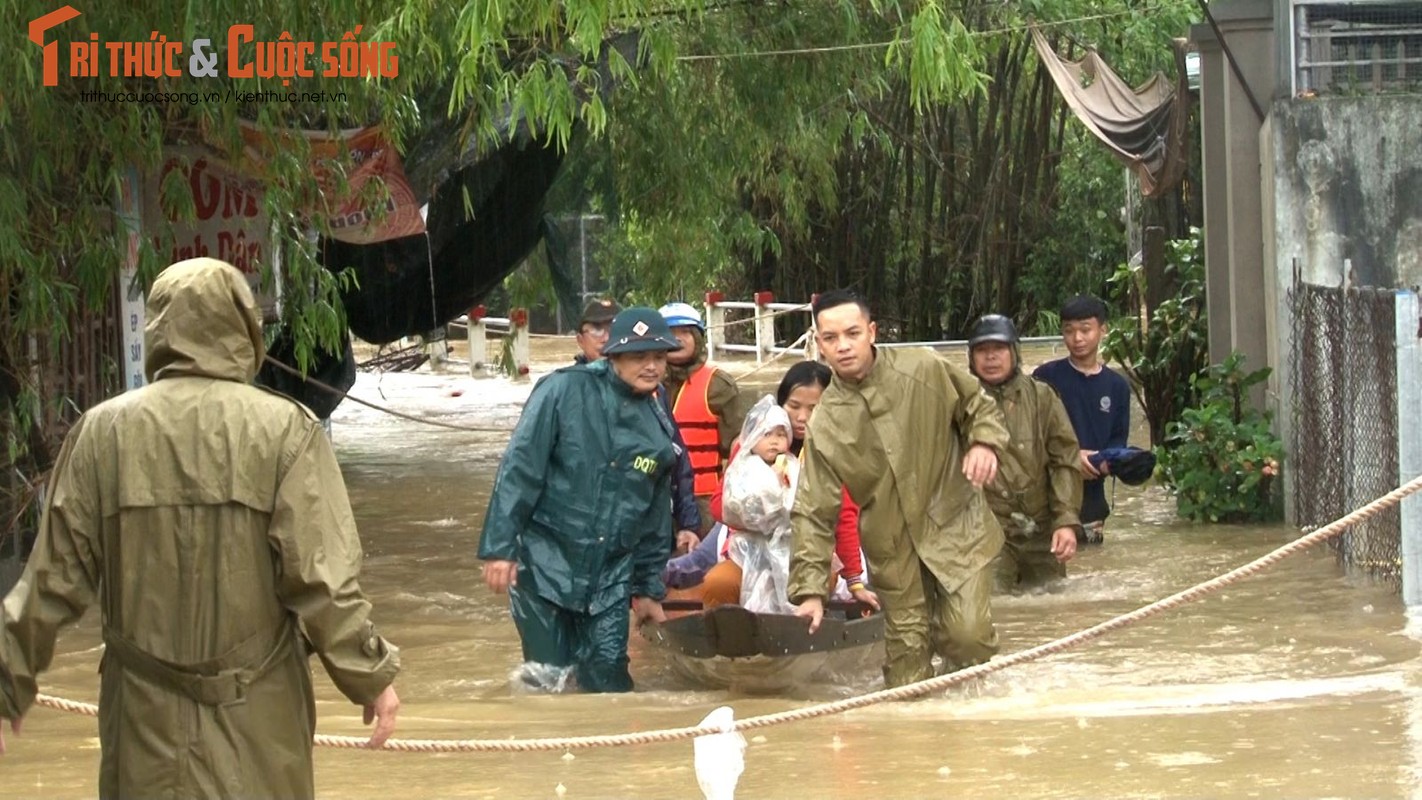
{"x":325,"y":387}
{"x":849,"y":704}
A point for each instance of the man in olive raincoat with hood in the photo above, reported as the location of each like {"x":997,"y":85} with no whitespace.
{"x":1038,"y":487}
{"x":209,"y":520}
{"x":913,"y":438}
{"x":580,"y":517}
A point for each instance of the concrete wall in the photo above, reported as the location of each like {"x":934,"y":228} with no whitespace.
{"x":1348,"y":185}
{"x":1316,"y":182}
{"x":1342,"y":182}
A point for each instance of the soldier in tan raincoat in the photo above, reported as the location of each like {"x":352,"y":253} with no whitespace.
{"x":209,"y":520}
{"x":913,"y":439}
{"x":1038,"y":487}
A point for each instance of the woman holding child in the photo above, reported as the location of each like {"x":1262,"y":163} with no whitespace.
{"x":756,"y":509}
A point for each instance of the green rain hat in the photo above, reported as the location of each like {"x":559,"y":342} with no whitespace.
{"x":637,"y":330}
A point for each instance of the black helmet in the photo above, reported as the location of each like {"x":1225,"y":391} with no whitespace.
{"x":993,"y":328}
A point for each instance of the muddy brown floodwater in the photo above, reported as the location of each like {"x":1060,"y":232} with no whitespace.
{"x":1301,"y":682}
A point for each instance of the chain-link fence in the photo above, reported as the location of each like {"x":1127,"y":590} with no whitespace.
{"x":1344,"y":451}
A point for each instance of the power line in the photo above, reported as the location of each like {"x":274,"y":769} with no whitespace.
{"x":875,"y":45}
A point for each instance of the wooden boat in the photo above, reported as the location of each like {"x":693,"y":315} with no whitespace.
{"x":732,"y":647}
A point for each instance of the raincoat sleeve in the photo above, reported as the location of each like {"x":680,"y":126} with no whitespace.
{"x":319,"y":559}
{"x":724,"y":398}
{"x":522,"y":472}
{"x":688,"y":570}
{"x":977,"y":414}
{"x":812,"y":522}
{"x":655,"y":546}
{"x":1063,"y":457}
{"x":684,"y":509}
{"x":59,"y":582}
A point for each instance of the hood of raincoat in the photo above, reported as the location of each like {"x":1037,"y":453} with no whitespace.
{"x":202,"y":321}
{"x":755,"y":497}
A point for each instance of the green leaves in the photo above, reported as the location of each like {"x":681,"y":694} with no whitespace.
{"x":1221,"y":459}
{"x":942,"y":59}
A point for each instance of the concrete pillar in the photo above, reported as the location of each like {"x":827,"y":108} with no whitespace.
{"x":764,"y":326}
{"x":1234,"y":214}
{"x":1409,"y":440}
{"x":438,"y":349}
{"x":478,"y":341}
{"x":518,"y":329}
{"x":1252,"y":41}
{"x":812,"y":343}
{"x":1213,"y":71}
{"x":715,"y":324}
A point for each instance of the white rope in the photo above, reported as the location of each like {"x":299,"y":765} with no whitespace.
{"x":1190,"y":595}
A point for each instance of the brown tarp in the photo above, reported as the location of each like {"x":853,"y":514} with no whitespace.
{"x":1145,"y":127}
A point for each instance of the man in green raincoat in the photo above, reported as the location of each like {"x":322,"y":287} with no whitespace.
{"x":1038,"y":487}
{"x":209,"y":520}
{"x":913,"y":438}
{"x":580,"y":517}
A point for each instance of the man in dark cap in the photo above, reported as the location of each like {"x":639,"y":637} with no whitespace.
{"x":592,"y":329}
{"x":580,"y":517}
{"x":1037,"y":491}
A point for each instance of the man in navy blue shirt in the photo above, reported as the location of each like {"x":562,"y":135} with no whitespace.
{"x":1097,"y":400}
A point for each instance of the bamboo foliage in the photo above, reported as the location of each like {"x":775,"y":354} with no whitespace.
{"x":818,"y":166}
{"x":532,"y":62}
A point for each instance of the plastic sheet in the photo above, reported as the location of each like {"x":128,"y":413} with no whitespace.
{"x":756,"y":502}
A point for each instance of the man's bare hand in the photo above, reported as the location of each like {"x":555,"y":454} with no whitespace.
{"x":500,"y":575}
{"x":1064,"y":543}
{"x":686,"y":541}
{"x":645,"y":609}
{"x":813,"y":610}
{"x":382,"y":712}
{"x":980,"y":465}
{"x":14,"y":727}
{"x":1087,"y":468}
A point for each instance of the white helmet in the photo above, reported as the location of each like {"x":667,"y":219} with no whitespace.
{"x":680,"y":315}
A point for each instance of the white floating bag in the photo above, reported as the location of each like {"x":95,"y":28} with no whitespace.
{"x":720,"y":758}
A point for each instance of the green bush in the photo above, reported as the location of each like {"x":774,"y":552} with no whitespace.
{"x":1220,"y":459}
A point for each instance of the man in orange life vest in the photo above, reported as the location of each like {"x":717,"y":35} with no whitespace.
{"x":706,"y":404}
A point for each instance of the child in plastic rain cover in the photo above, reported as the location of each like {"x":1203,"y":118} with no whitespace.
{"x":758,"y":494}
